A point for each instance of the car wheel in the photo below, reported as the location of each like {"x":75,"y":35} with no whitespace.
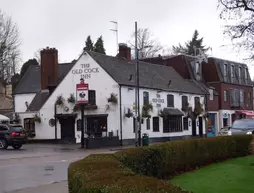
{"x":16,"y":146}
{"x":3,"y":144}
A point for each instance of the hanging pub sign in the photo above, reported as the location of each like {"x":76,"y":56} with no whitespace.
{"x":82,"y":92}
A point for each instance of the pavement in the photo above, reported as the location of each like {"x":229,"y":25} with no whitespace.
{"x":39,"y":168}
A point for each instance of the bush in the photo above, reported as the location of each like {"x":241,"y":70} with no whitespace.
{"x":172,"y":158}
{"x":105,"y":174}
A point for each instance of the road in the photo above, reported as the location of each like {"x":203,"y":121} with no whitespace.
{"x":39,"y":168}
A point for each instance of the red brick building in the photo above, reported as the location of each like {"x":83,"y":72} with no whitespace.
{"x":228,"y":86}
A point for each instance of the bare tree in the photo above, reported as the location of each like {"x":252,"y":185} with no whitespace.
{"x":37,"y":55}
{"x":240,"y":14}
{"x":147,"y":45}
{"x":9,"y":47}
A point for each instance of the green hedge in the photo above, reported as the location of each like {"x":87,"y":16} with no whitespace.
{"x":105,"y":174}
{"x":172,"y":158}
{"x":138,"y":170}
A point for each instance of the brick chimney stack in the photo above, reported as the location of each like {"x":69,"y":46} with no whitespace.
{"x":49,"y":68}
{"x":124,"y":51}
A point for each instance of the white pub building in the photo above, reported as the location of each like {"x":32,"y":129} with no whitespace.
{"x":45,"y":100}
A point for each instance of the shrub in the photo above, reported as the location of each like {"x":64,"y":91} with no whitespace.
{"x":105,"y":174}
{"x":172,"y":158}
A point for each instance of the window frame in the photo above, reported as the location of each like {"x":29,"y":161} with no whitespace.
{"x":211,"y":94}
{"x":185,"y":123}
{"x":148,"y":124}
{"x":145,"y":98}
{"x":184,"y":97}
{"x":156,"y":127}
{"x":170,"y":103}
{"x":225,"y":72}
{"x":225,"y":96}
{"x":92,"y":100}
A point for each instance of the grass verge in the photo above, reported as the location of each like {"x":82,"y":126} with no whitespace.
{"x":233,"y":176}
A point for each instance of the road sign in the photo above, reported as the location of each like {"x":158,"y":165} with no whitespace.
{"x":82,"y":93}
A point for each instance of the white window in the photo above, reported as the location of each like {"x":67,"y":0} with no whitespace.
{"x":211,"y":94}
{"x":239,"y":74}
{"x":225,"y":96}
{"x":197,"y":68}
{"x":225,"y":71}
{"x":232,"y":73}
{"x":246,"y":75}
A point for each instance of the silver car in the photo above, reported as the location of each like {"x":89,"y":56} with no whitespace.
{"x":242,"y":126}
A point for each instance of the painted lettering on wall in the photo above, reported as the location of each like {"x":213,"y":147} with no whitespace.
{"x":85,"y":71}
{"x":158,"y":101}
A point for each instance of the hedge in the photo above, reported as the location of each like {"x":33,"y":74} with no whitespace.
{"x":143,"y":169}
{"x":103,"y":173}
{"x":172,"y":158}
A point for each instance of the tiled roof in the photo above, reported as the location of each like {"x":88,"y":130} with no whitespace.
{"x":151,"y":75}
{"x":37,"y":102}
{"x":31,"y":81}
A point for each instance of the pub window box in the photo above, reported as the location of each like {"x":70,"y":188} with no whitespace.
{"x":90,"y":107}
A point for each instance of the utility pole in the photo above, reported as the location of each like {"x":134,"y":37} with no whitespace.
{"x":136,"y":85}
{"x":82,"y":127}
{"x":115,"y":30}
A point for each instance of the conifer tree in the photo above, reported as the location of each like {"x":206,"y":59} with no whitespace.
{"x":99,"y":46}
{"x":191,"y":47}
{"x":89,"y":44}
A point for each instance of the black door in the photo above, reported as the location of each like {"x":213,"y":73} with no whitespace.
{"x":194,"y":128}
{"x":200,"y":126}
{"x":68,"y":129}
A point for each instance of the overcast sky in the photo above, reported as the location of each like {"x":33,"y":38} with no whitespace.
{"x":65,"y":24}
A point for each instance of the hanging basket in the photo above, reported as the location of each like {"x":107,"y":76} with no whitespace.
{"x":37,"y":118}
{"x":59,"y":100}
{"x":129,"y":113}
{"x":71,"y":99}
{"x":146,"y":109}
{"x":113,"y":98}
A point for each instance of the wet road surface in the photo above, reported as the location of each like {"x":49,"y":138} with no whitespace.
{"x":37,"y":165}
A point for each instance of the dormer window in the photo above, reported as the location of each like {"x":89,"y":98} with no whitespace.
{"x":232,"y":73}
{"x":240,"y":75}
{"x":197,"y":67}
{"x":246,"y":75}
{"x":225,"y":72}
{"x":211,"y":95}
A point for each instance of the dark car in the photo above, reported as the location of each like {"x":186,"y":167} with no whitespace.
{"x":12,"y":135}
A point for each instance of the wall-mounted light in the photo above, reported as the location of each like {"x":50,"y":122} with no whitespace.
{"x":130,"y":89}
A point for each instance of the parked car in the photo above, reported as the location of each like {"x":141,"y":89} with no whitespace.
{"x":240,"y":127}
{"x":12,"y":135}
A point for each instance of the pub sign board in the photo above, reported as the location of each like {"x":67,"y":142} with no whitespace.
{"x":82,"y":93}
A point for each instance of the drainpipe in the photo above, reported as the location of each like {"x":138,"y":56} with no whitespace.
{"x":55,"y":122}
{"x":121,"y":123}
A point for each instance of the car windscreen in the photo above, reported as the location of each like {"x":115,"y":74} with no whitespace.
{"x":17,"y":128}
{"x":243,"y":124}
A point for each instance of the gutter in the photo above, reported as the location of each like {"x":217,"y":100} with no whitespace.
{"x":121,"y":122}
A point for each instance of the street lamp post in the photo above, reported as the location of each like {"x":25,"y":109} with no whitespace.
{"x":136,"y":86}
